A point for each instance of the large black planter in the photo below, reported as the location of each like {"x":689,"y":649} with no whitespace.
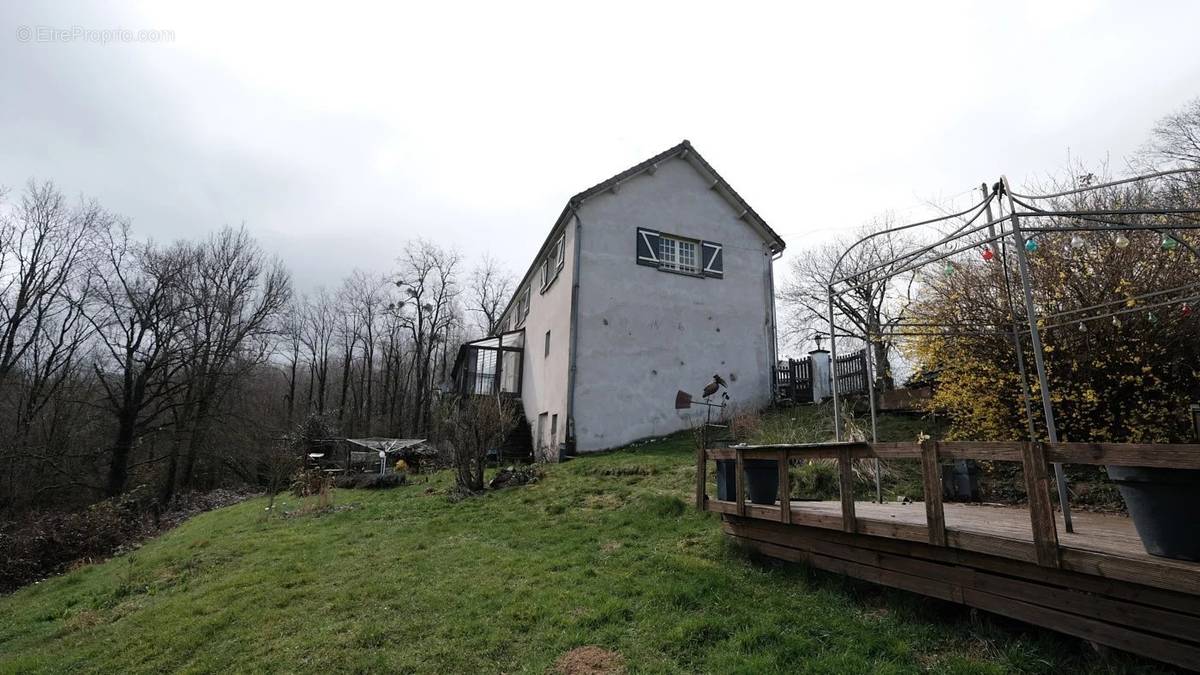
{"x":762,"y":480}
{"x":726,"y":477}
{"x":1162,"y":503}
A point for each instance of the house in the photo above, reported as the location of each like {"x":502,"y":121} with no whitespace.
{"x":648,"y":283}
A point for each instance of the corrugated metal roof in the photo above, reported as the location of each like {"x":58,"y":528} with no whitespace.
{"x":377,"y":443}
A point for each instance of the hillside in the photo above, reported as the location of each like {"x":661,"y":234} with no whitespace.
{"x":603,"y":551}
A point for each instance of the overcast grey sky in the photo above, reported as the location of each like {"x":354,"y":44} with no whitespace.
{"x":336,"y":132}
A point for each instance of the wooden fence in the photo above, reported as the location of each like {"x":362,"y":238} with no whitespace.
{"x":851,"y":373}
{"x":794,"y":381}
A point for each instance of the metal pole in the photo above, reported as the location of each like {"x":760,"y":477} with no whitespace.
{"x":1035,"y":339}
{"x":869,"y":363}
{"x":1016,"y":334}
{"x":837,"y":415}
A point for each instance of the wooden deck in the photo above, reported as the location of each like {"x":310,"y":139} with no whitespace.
{"x":1097,"y":583}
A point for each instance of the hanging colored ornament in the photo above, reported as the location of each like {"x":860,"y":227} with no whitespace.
{"x":1116,"y":322}
{"x":1031,"y":245}
{"x":948,"y":269}
{"x":1169,"y":243}
{"x":1082,"y":328}
{"x":988,"y":255}
{"x":1121,"y":241}
{"x":1077,"y":241}
{"x":1186,"y":310}
{"x":1152,"y":317}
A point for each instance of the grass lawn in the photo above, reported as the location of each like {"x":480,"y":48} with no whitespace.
{"x":605,"y":551}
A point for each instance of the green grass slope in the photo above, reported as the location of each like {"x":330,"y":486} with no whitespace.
{"x":605,"y":551}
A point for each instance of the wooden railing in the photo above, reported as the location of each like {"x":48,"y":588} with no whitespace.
{"x":1035,"y":459}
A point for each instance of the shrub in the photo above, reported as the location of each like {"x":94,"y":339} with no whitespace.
{"x":516,"y":475}
{"x":370,"y":481}
{"x":308,"y":482}
{"x":816,"y":479}
{"x":470,"y":427}
{"x":45,"y":544}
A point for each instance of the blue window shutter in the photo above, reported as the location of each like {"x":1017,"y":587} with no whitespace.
{"x":714,"y":260}
{"x":647,"y":247}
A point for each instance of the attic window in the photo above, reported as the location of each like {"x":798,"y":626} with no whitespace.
{"x":676,"y":254}
{"x":672,"y":253}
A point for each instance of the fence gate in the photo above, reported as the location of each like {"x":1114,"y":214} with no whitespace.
{"x":851,"y":373}
{"x":793,"y":380}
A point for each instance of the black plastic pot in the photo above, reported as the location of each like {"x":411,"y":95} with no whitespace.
{"x":726,"y":480}
{"x":762,"y":480}
{"x":1162,"y":503}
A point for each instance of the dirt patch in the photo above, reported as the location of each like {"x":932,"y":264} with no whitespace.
{"x":589,"y":660}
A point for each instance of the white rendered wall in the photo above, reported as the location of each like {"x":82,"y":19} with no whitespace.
{"x":645,"y":333}
{"x":544,"y":378}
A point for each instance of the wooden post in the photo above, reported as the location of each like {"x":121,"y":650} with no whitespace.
{"x":1041,"y":511}
{"x":846,"y":487}
{"x":931,"y":479}
{"x":785,"y":489}
{"x":701,"y":476}
{"x":740,"y":481}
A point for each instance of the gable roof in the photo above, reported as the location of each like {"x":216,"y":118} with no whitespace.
{"x":684,"y":151}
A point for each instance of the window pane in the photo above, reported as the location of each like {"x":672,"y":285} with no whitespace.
{"x":666,"y":253}
{"x":687,"y":256}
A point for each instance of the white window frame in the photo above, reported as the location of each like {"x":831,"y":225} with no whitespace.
{"x":669,"y":252}
{"x":553,"y":263}
{"x":521,"y":309}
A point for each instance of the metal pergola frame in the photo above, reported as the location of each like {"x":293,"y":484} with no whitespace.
{"x":977,"y":226}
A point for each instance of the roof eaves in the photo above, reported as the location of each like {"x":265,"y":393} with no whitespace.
{"x":684,"y":149}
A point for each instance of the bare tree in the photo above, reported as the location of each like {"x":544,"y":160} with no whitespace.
{"x":367,"y":300}
{"x":317,"y":335}
{"x":875,"y":303}
{"x":1175,"y":139}
{"x":490,"y":288}
{"x":140,"y":307}
{"x":428,"y":293}
{"x":44,"y":244}
{"x":292,"y":330}
{"x":235,"y":294}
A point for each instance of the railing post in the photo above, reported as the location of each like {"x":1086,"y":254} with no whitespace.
{"x":846,"y":487}
{"x":931,"y":478}
{"x":740,"y":483}
{"x":785,"y":489}
{"x":1041,"y":511}
{"x":701,"y":476}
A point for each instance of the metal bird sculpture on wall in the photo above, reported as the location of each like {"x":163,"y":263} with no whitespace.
{"x":714,"y":386}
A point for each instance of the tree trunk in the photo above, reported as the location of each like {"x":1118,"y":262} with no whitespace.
{"x":118,"y":467}
{"x":883,"y":367}
{"x":199,"y":429}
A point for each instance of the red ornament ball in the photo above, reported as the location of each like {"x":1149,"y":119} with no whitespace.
{"x":988,"y":255}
